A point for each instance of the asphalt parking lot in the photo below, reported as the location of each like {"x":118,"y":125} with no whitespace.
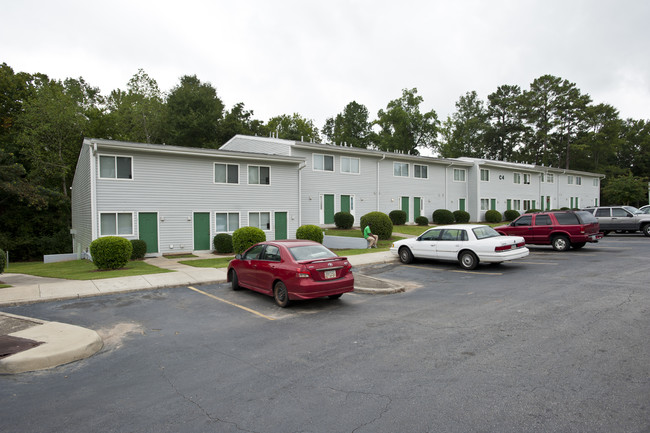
{"x":553,"y":342}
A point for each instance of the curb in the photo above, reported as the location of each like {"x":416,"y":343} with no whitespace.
{"x":392,"y":287}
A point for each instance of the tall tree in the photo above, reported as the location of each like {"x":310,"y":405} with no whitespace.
{"x":404,"y":128}
{"x":507,"y":129}
{"x":626,"y":189}
{"x":469,"y":128}
{"x":293,"y":127}
{"x":193,"y":113}
{"x":238,"y":121}
{"x":351,"y":126}
{"x":600,"y":139}
{"x":634,"y":149}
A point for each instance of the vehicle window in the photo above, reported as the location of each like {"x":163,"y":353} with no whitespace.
{"x":253,"y":253}
{"x":484,"y":232}
{"x":450,"y":235}
{"x":525,"y":220}
{"x":311,"y":252}
{"x":618,"y":212}
{"x":543,"y":220}
{"x":632,"y":210}
{"x":566,"y":219}
{"x":272,"y":253}
{"x":602,"y":212}
{"x":591,"y":211}
{"x":431,"y":235}
{"x":586,"y":217}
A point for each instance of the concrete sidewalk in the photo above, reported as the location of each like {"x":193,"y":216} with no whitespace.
{"x":62,"y":343}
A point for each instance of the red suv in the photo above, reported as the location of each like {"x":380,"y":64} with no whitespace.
{"x":562,"y":229}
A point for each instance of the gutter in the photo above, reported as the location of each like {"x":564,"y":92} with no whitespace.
{"x":304,"y":164}
{"x":377,"y":183}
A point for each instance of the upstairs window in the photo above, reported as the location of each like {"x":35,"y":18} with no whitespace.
{"x":578,"y":180}
{"x":526,"y":178}
{"x":516,"y":178}
{"x":323,"y":162}
{"x":550,"y":178}
{"x":226,"y":173}
{"x":569,"y":180}
{"x":115,"y":167}
{"x":485,"y":175}
{"x":459,"y":175}
{"x":349,"y":165}
{"x":401,"y":169}
{"x":420,"y":171}
{"x":595,"y":181}
{"x":259,"y":175}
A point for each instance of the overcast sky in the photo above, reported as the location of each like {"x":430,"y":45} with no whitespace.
{"x":313,"y":58}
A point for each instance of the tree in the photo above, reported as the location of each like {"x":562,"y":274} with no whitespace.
{"x":193,"y":113}
{"x":600,"y":139}
{"x":351,"y":127}
{"x":634,"y":149}
{"x":404,"y":128}
{"x":293,"y":127}
{"x":468,"y":128}
{"x":238,"y":121}
{"x":625,"y":189}
{"x":507,"y":129}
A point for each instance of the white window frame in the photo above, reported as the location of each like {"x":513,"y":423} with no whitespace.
{"x":214,"y":173}
{"x":516,"y":204}
{"x":350,"y":159}
{"x":458,"y":171}
{"x":550,"y":178}
{"x":516,"y":178}
{"x":569,"y":179}
{"x":486,"y":202}
{"x":541,"y":177}
{"x":117,"y":221}
{"x":401,"y":169}
{"x":526,"y":178}
{"x":595,"y":181}
{"x":259,"y":177}
{"x":229,"y":229}
{"x":259,"y":214}
{"x":420,"y":166}
{"x":99,"y":162}
{"x":322,"y":156}
{"x":578,"y":180}
{"x":529,"y":202}
{"x":485,"y":178}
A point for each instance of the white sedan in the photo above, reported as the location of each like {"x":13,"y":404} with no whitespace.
{"x":468,"y":244}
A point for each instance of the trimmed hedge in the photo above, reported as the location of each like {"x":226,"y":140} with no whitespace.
{"x":461,"y":217}
{"x":343,"y":220}
{"x":139,"y":249}
{"x":245,"y":237}
{"x":3,"y":261}
{"x":110,"y":252}
{"x":222,"y":243}
{"x":397,"y":217}
{"x":310,"y":232}
{"x":442,"y":216}
{"x":511,"y":215}
{"x":380,"y":224}
{"x":493,"y":216}
{"x":422,"y":220}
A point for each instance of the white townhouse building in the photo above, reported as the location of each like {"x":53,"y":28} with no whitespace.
{"x":177,"y":198}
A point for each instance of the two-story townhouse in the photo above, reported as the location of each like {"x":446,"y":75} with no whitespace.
{"x":573,"y":189}
{"x":177,"y":198}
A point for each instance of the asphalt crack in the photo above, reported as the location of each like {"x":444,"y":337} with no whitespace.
{"x":372,"y":394}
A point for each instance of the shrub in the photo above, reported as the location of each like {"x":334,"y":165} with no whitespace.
{"x":564,"y":208}
{"x":139,"y":249}
{"x":461,"y":217}
{"x":533,"y":210}
{"x":397,"y":217}
{"x":223,"y":243}
{"x":422,"y":220}
{"x":3,"y":261}
{"x":110,"y":252}
{"x":511,"y":215}
{"x":343,"y":220}
{"x":245,"y":237}
{"x":442,"y":216}
{"x":310,"y":232}
{"x":380,"y":224}
{"x":493,"y":216}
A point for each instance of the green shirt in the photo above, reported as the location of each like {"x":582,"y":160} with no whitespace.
{"x":366,"y":232}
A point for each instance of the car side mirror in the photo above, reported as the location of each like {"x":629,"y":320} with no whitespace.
{"x":238,"y":256}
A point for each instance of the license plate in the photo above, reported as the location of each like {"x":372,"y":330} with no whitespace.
{"x":330,"y":274}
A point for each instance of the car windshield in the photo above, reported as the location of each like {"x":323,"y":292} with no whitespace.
{"x":310,"y":252}
{"x":632,"y":210}
{"x":485,"y":232}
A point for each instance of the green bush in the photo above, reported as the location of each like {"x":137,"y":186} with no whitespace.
{"x":422,"y":220}
{"x":310,"y":232}
{"x":110,"y":252}
{"x":397,"y":217}
{"x":461,"y":217}
{"x":343,"y":220}
{"x":3,"y":261}
{"x":223,"y":243}
{"x":511,"y":215}
{"x":380,"y":224}
{"x":533,"y":210}
{"x":564,"y":208}
{"x":493,"y":216}
{"x":442,"y":216}
{"x":245,"y":237}
{"x":139,"y":249}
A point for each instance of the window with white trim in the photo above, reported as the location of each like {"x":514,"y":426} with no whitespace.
{"x":420,"y":171}
{"x":259,"y":175}
{"x":527,"y":205}
{"x":116,"y":224}
{"x":516,"y":178}
{"x":550,"y":178}
{"x":115,"y":167}
{"x":459,"y":175}
{"x":226,"y":173}
{"x":595,"y":180}
{"x":578,"y":180}
{"x":485,"y":204}
{"x":261,"y":220}
{"x":226,"y":221}
{"x":541,"y":177}
{"x":400,"y":169}
{"x":516,"y":205}
{"x":526,"y":178}
{"x":323,"y":162}
{"x":349,"y":165}
{"x":485,"y":175}
{"x":569,"y":180}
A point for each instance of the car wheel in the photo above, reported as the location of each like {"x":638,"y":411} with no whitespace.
{"x":578,"y":245}
{"x":468,"y":260}
{"x":646,"y":229}
{"x":605,"y":232}
{"x":234,"y":280}
{"x":280,"y":294}
{"x":560,"y":243}
{"x":337,"y":296}
{"x":405,"y":255}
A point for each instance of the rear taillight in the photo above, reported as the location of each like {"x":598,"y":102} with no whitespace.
{"x":502,"y":248}
{"x":302,"y":272}
{"x":521,"y":244}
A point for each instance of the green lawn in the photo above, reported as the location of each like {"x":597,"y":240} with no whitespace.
{"x":81,"y":270}
{"x":2,"y":286}
{"x":220,"y":262}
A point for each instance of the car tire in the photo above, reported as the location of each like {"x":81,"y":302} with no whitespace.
{"x":605,"y":232}
{"x":405,"y":255}
{"x":281,"y":294}
{"x":578,"y":245}
{"x":646,"y":230}
{"x":560,"y":243}
{"x":467,"y":260}
{"x":337,"y":296}
{"x":234,"y":280}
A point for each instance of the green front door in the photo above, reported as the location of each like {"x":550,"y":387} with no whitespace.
{"x":508,"y":204}
{"x":345,"y":203}
{"x":328,"y":208}
{"x":493,"y":203}
{"x":461,"y":204}
{"x":405,"y":207}
{"x":148,"y":230}
{"x":280,"y":225}
{"x":201,"y":231}
{"x":417,"y":204}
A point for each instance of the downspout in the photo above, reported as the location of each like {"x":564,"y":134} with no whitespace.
{"x":382,"y":158}
{"x":94,"y":226}
{"x":300,"y":192}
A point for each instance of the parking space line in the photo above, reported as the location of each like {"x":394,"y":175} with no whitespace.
{"x":538,"y":263}
{"x":452,"y":270}
{"x":231,"y":303}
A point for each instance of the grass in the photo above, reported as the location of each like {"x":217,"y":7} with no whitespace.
{"x":4,"y":286}
{"x":81,"y":270}
{"x":220,"y":262}
{"x":179,"y":256}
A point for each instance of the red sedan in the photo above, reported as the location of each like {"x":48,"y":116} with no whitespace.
{"x":290,"y":270}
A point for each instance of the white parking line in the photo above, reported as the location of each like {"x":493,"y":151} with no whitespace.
{"x":230,"y":303}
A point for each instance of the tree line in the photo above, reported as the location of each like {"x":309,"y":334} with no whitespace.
{"x":43,"y":123}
